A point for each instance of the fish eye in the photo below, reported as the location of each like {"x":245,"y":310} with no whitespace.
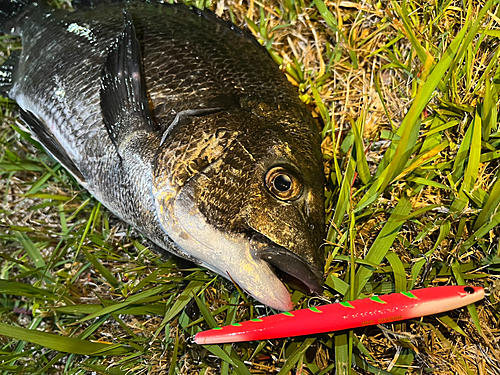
{"x":282,"y":184}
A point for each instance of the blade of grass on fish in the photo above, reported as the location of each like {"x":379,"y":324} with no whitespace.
{"x":410,"y":126}
{"x":62,"y":343}
{"x":384,"y":241}
{"x":129,"y":301}
{"x":296,"y":356}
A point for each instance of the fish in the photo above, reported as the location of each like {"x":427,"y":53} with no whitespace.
{"x":184,"y":127}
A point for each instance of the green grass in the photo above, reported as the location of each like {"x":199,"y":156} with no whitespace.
{"x":407,"y":97}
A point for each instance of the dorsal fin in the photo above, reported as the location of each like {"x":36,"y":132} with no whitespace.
{"x":124,"y":100}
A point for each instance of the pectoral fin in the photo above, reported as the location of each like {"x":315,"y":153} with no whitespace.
{"x":124,"y":100}
{"x":42,"y":134}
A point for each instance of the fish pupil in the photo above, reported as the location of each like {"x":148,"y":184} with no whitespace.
{"x":282,"y":183}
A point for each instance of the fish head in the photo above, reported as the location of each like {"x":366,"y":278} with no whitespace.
{"x":244,"y":197}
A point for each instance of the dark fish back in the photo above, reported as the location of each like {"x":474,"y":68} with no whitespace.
{"x":192,"y":60}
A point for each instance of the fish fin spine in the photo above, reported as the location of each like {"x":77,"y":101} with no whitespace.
{"x":124,"y":100}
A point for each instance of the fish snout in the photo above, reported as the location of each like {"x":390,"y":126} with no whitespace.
{"x":286,"y":261}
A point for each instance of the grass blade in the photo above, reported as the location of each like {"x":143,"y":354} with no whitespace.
{"x":61,"y":343}
{"x":383,"y":242}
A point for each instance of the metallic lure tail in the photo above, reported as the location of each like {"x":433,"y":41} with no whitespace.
{"x":346,"y":315}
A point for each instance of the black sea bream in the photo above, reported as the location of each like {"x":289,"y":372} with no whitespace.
{"x":183,"y":126}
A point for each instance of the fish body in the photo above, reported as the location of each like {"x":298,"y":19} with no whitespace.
{"x":182,"y":125}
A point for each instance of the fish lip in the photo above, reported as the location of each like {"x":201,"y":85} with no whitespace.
{"x":288,"y":262}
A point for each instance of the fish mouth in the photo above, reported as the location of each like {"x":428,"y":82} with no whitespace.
{"x":286,"y":261}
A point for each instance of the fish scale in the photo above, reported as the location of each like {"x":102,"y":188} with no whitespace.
{"x":175,"y":120}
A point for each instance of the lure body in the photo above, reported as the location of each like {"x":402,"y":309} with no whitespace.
{"x":346,"y":315}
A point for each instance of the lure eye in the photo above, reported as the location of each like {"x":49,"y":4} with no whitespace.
{"x":469,"y":290}
{"x":282,"y":184}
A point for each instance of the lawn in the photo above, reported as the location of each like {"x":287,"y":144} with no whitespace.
{"x":405,"y":94}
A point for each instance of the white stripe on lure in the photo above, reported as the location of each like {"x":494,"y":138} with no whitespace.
{"x":346,"y":315}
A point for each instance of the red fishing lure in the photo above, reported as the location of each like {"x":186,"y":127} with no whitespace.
{"x":346,"y":315}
